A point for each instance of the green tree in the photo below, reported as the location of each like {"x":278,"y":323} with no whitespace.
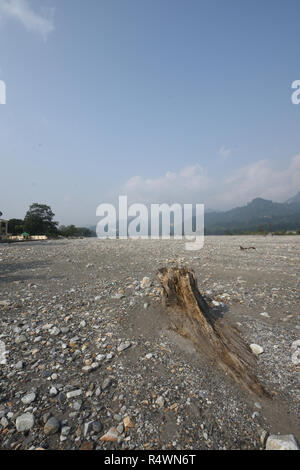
{"x":72,"y":231}
{"x":39,"y":220}
{"x":69,"y":231}
{"x":15,"y":226}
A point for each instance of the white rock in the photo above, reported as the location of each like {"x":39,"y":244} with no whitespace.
{"x":265,"y":314}
{"x":4,"y":422}
{"x":29,"y":398}
{"x":65,"y":431}
{"x":296,"y":352}
{"x":145,"y":282}
{"x":160,"y":402}
{"x":54,"y":331}
{"x":287,"y":442}
{"x":87,"y":427}
{"x":256,"y":349}
{"x":24,"y":422}
{"x":100,"y":357}
{"x":123,"y":346}
{"x":296,"y":357}
{"x":53,"y":391}
{"x":74,"y":393}
{"x":118,"y":296}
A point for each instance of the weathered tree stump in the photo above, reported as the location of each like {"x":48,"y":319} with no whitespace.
{"x":193,"y":318}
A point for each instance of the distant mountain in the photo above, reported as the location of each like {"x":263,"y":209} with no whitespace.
{"x":295,"y":199}
{"x":208,"y":210}
{"x":259,"y":214}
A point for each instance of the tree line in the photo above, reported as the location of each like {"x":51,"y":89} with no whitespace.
{"x":39,"y":220}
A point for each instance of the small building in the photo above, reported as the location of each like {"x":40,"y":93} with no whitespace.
{"x":26,"y":236}
{"x":3,"y":229}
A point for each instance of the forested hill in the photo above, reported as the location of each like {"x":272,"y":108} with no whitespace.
{"x":260,"y":214}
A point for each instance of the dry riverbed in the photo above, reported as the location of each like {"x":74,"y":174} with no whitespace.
{"x":92,"y":363}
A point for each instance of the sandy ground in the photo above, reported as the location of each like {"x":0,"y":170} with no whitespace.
{"x":75,"y":316}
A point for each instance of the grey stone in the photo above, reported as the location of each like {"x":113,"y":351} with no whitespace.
{"x":160,"y":402}
{"x":277,"y":442}
{"x":106,"y":383}
{"x":19,"y":365}
{"x":20,"y":339}
{"x":24,"y":422}
{"x":74,"y":393}
{"x":4,"y":422}
{"x":97,"y":426}
{"x":54,"y":331}
{"x":52,"y":426}
{"x":29,"y":398}
{"x":53,"y":391}
{"x":123,"y":346}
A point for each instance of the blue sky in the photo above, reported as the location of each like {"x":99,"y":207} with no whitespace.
{"x":162,"y":100}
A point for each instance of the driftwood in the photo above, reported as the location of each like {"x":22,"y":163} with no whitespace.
{"x":193,"y":318}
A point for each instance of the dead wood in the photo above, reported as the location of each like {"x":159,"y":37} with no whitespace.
{"x":193,"y":318}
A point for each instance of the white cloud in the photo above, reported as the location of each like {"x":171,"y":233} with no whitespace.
{"x":225,"y":152}
{"x":22,"y":11}
{"x":185,"y":186}
{"x":260,"y":179}
{"x":193,"y":185}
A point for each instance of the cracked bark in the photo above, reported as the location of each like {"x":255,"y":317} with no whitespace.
{"x":193,"y":318}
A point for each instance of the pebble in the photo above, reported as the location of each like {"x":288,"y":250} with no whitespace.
{"x":74,"y":393}
{"x":265,"y":314}
{"x":106,"y":383}
{"x":24,"y":422}
{"x":112,"y":435}
{"x":277,"y":442}
{"x":29,"y":398}
{"x":4,"y":422}
{"x":256,"y":349}
{"x":97,"y":426}
{"x":53,"y":392}
{"x":65,"y":431}
{"x":160,"y":402}
{"x":52,"y":426}
{"x":54,"y":331}
{"x":20,"y":365}
{"x":145,"y":283}
{"x":20,"y":339}
{"x":123,"y":347}
{"x":128,"y":423}
{"x":296,"y":352}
